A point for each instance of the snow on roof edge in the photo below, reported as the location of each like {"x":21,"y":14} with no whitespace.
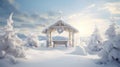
{"x":56,"y":21}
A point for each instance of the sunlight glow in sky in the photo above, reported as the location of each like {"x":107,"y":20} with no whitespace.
{"x":82,"y":14}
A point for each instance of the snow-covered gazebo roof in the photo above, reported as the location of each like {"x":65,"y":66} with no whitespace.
{"x":60,"y":24}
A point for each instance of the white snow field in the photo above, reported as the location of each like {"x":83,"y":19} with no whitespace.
{"x":15,"y":53}
{"x":59,"y":56}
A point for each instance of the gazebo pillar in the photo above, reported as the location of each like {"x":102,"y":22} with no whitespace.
{"x":47,"y":39}
{"x":72,"y":39}
{"x":50,"y":38}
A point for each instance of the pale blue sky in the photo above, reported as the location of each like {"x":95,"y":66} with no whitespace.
{"x":81,"y":14}
{"x":67,"y":6}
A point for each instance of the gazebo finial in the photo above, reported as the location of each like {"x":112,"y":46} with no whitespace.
{"x":61,"y":14}
{"x":112,"y":19}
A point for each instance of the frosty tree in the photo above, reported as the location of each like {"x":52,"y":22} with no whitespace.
{"x":95,"y":41}
{"x":10,"y":44}
{"x":111,"y":32}
{"x":111,"y":47}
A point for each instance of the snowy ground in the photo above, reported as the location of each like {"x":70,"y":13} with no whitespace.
{"x":56,"y":57}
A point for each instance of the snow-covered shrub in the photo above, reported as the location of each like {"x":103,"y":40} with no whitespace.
{"x":78,"y":50}
{"x":95,"y":41}
{"x":10,"y":44}
{"x":42,"y":43}
{"x":111,"y":47}
{"x":10,"y":59}
{"x":32,"y":40}
{"x":2,"y":54}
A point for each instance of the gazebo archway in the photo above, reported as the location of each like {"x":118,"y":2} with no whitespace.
{"x":60,"y":26}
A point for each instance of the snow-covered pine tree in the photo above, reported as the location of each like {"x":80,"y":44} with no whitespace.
{"x":95,"y":41}
{"x":111,"y":47}
{"x":10,"y":44}
{"x":111,"y":32}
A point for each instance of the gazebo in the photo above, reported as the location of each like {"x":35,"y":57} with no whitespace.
{"x":60,"y":26}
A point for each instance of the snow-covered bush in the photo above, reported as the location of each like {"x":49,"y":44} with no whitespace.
{"x":95,"y":41}
{"x":79,"y":50}
{"x":42,"y":43}
{"x":2,"y":54}
{"x":111,"y":47}
{"x":32,"y":40}
{"x":10,"y":44}
{"x":10,"y":59}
